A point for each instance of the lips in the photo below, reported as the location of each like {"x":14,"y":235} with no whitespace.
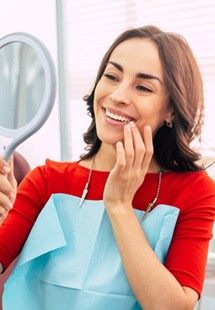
{"x":118,"y":116}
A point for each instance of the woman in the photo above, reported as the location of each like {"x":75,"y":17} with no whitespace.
{"x":133,"y":232}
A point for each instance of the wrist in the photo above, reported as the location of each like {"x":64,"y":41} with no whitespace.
{"x":119,"y":208}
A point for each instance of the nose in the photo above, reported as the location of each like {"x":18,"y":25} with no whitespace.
{"x":121,"y":94}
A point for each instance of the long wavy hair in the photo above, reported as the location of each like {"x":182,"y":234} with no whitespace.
{"x":183,"y":81}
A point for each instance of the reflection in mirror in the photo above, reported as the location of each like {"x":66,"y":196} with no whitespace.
{"x":21,"y":84}
{"x":27,"y":89}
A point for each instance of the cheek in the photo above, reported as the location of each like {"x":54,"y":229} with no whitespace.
{"x":96,"y":99}
{"x":102,"y":90}
{"x":153,"y":118}
{"x":100,"y":95}
{"x":99,"y":90}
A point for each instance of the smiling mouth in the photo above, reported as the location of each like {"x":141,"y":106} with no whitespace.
{"x":116,"y":117}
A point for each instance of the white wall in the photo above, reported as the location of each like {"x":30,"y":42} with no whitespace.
{"x":37,"y":17}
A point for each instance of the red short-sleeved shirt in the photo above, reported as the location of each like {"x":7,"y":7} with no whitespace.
{"x":192,"y":192}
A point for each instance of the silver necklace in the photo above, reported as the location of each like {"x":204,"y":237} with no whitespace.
{"x":150,"y":205}
{"x":85,"y":191}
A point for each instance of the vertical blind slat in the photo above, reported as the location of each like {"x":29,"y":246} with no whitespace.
{"x":91,"y":26}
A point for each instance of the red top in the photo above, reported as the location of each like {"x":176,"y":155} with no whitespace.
{"x":192,"y":192}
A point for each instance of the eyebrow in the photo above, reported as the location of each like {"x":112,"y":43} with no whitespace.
{"x":138,"y":75}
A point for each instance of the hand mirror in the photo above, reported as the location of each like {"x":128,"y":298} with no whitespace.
{"x":27,"y":89}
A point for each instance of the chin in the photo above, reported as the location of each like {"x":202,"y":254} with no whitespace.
{"x":109,"y":139}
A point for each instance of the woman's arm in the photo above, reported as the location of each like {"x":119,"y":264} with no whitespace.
{"x":154,"y":286}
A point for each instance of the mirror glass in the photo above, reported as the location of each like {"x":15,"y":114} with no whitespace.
{"x":27,"y":89}
{"x":22,"y":81}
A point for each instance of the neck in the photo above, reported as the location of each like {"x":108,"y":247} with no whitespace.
{"x":105,"y":158}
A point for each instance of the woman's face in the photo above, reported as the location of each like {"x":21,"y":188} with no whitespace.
{"x":131,"y":88}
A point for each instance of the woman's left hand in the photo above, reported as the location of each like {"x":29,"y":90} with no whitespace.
{"x":132,"y":162}
{"x":8,"y":186}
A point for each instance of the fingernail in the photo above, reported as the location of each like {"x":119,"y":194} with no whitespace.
{"x":148,"y":128}
{"x":11,"y":196}
{"x":6,"y":169}
{"x":128,"y":127}
{"x":132,"y":124}
{"x":10,"y":205}
{"x":119,"y":144}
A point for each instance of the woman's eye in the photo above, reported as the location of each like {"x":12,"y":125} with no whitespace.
{"x":110,"y":76}
{"x":143,"y":88}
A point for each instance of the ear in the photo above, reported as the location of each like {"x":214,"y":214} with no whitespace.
{"x":170,"y":117}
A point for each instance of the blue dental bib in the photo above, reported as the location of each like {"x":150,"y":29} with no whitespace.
{"x":71,"y":261}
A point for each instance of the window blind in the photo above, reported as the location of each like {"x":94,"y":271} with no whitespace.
{"x":90,"y":26}
{"x":195,"y":21}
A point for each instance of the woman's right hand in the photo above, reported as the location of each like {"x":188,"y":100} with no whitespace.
{"x":8,"y":187}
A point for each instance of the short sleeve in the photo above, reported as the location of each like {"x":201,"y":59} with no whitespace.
{"x":187,"y":256}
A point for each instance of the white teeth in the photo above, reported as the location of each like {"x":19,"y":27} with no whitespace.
{"x":117,"y":117}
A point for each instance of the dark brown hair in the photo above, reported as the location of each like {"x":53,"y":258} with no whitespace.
{"x":184,"y":84}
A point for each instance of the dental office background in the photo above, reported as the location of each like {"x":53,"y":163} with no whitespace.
{"x":77,"y":34}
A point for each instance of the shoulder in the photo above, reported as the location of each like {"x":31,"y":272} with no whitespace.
{"x":51,"y":171}
{"x":191,"y":180}
{"x":189,"y":190}
{"x":52,"y":166}
{"x":55,"y":167}
{"x":200,"y":182}
{"x":51,"y":177}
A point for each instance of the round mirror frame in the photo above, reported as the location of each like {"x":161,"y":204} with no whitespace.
{"x":20,"y":134}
